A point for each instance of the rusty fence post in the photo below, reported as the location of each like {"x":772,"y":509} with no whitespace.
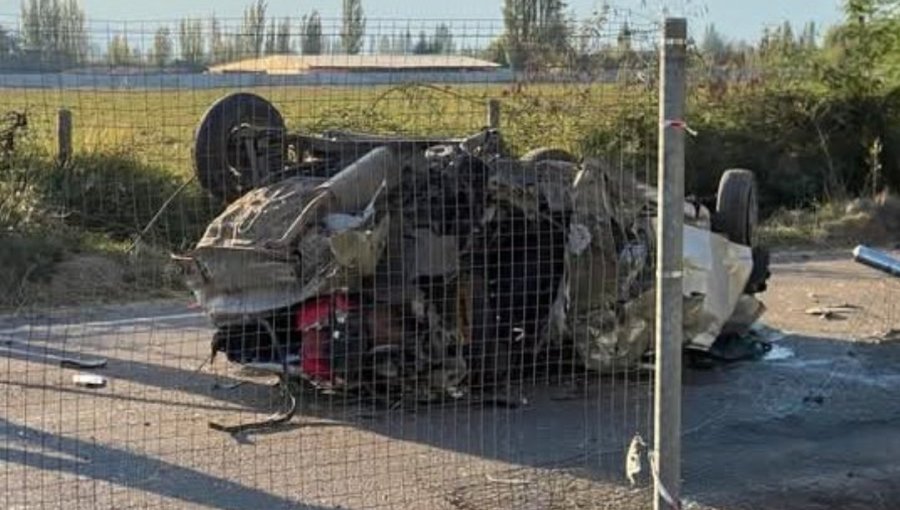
{"x":666,"y":460}
{"x":63,"y":135}
{"x":493,"y":113}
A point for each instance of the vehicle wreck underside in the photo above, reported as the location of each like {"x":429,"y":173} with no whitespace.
{"x":428,"y":267}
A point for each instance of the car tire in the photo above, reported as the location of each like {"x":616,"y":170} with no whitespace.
{"x":736,"y":206}
{"x":214,"y":163}
{"x":548,"y":154}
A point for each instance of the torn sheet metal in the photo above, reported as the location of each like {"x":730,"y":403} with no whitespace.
{"x":444,"y":266}
{"x":610,"y":330}
{"x":592,"y":256}
{"x":261,"y":215}
{"x":717,"y":270}
{"x":715,"y":274}
{"x":233,"y":273}
{"x":610,"y":342}
{"x":359,"y":250}
{"x":432,"y":254}
{"x":529,"y":185}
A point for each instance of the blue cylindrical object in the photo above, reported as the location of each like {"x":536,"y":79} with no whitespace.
{"x":877,"y":259}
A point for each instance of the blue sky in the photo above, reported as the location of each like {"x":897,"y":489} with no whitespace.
{"x":738,"y":19}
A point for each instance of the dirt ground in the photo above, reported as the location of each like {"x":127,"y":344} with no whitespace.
{"x":811,"y":427}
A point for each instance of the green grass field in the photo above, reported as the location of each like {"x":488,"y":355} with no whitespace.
{"x":132,"y":150}
{"x":155,"y":127}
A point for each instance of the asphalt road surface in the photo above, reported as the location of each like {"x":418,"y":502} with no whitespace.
{"x":813,"y":426}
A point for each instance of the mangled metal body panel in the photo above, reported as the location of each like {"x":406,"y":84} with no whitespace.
{"x":443,"y":262}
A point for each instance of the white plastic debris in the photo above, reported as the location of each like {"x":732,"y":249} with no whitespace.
{"x":633,"y":464}
{"x":89,"y":380}
{"x":717,"y":270}
{"x":339,"y":222}
{"x":779,"y":353}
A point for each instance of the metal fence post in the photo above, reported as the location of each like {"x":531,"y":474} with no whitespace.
{"x":669,"y":291}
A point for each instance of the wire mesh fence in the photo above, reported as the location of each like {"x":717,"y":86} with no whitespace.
{"x":290,"y":265}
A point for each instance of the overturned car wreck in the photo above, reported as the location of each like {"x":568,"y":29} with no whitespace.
{"x":428,"y":267}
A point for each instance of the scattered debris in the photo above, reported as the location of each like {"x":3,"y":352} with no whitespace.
{"x":25,"y":349}
{"x":508,"y":481}
{"x":279,"y":418}
{"x":633,"y":464}
{"x":877,"y":260}
{"x":835,"y":312}
{"x":89,"y":380}
{"x":890,"y":336}
{"x":779,"y":353}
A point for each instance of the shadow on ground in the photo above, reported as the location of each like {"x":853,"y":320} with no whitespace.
{"x":812,"y":430}
{"x":29,"y":446}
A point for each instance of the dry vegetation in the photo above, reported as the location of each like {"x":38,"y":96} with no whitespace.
{"x":133,"y":150}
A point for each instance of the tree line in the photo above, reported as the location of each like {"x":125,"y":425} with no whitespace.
{"x":537,"y":34}
{"x":54,"y":34}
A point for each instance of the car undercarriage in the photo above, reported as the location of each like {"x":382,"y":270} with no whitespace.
{"x":428,"y":267}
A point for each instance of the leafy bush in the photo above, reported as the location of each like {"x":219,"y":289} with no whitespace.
{"x":804,"y":146}
{"x":117,"y":195}
{"x":27,"y":258}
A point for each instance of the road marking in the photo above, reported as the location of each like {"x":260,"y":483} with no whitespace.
{"x":100,"y":324}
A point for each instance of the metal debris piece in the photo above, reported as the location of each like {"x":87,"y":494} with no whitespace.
{"x":434,"y":255}
{"x":508,"y":481}
{"x":19,"y":348}
{"x":89,"y":380}
{"x":889,"y":336}
{"x":832,"y":312}
{"x":274,"y":420}
{"x":633,"y":464}
{"x":877,"y":259}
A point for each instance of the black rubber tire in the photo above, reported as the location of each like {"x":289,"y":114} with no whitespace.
{"x":212,"y":165}
{"x":548,"y":154}
{"x":759,"y":276}
{"x":737,"y":210}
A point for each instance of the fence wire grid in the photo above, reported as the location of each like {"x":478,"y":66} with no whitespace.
{"x":251,"y":270}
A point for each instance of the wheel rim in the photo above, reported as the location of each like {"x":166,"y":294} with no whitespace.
{"x":218,"y":162}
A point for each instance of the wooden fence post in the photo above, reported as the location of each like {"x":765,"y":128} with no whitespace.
{"x":493,"y":113}
{"x":63,"y":135}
